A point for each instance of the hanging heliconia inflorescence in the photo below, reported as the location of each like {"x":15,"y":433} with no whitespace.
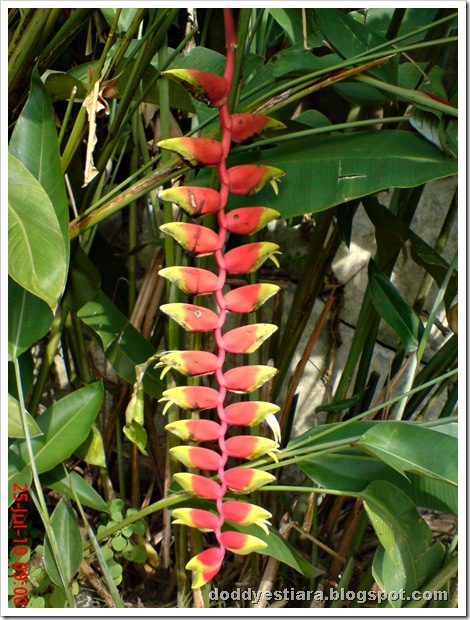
{"x":199,"y":241}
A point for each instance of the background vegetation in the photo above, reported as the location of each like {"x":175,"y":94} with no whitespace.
{"x":369,"y":100}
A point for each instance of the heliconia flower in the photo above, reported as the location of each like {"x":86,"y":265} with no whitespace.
{"x":250,"y":447}
{"x":195,"y":430}
{"x":191,"y":280}
{"x":245,"y":480}
{"x":250,"y":297}
{"x":195,"y":151}
{"x":249,"y":412}
{"x":246,"y":514}
{"x":248,"y":179}
{"x":195,"y":239}
{"x":189,"y":363}
{"x":193,"y":456}
{"x":194,"y":517}
{"x":248,"y":220}
{"x":206,"y":566}
{"x":202,"y":241}
{"x":192,"y":318}
{"x":242,"y":544}
{"x":249,"y":257}
{"x":198,"y":485}
{"x":247,"y":126}
{"x":248,"y":338}
{"x":247,"y":379}
{"x":206,"y":87}
{"x":194,"y":201}
{"x":190,"y":397}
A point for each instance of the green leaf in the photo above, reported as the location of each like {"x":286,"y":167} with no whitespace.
{"x":84,"y":280}
{"x":123,"y":345}
{"x":138,"y":554}
{"x":280,"y":549}
{"x":391,"y":234}
{"x":136,"y":433}
{"x":35,"y":144}
{"x":59,"y":85}
{"x":29,"y":319}
{"x":393,"y":309}
{"x":401,"y":531}
{"x":15,"y":426}
{"x":39,"y":267}
{"x":65,"y":425}
{"x":349,"y":38}
{"x":58,"y":598}
{"x":294,"y":62}
{"x":410,"y":448}
{"x":125,"y":18}
{"x":57,"y":479}
{"x":388,"y":576}
{"x":351,"y":470}
{"x":66,"y":530}
{"x":119,"y":543}
{"x":92,"y":449}
{"x":290,"y":21}
{"x":341,"y":167}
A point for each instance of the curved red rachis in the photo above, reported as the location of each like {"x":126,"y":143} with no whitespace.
{"x":198,"y":241}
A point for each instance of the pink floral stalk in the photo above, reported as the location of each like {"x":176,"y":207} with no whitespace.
{"x":201,"y":241}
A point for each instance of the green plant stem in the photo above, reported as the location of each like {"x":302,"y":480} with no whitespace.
{"x":67,"y":114}
{"x":322,"y":130}
{"x":132,"y":259}
{"x":125,"y":109}
{"x":297,"y":489}
{"x":130,"y":110}
{"x":410,"y":377}
{"x":77,"y":20}
{"x":302,"y":86}
{"x":437,"y":583}
{"x":99,"y":554}
{"x":432,"y":315}
{"x":160,"y":176}
{"x":417,"y":357}
{"x":434,"y":398}
{"x":439,"y":247}
{"x":166,"y":502}
{"x":48,"y":357}
{"x":125,"y":41}
{"x":413,"y":96}
{"x":240,"y":57}
{"x":408,"y":35}
{"x":41,"y":502}
{"x":439,"y":363}
{"x":120,"y":458}
{"x":449,"y":407}
{"x":395,"y":23}
{"x":81,"y":353}
{"x":23,"y":49}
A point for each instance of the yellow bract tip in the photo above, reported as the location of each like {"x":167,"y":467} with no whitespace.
{"x":275,"y":187}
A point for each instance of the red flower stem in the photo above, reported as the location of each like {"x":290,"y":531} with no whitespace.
{"x":226,"y":126}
